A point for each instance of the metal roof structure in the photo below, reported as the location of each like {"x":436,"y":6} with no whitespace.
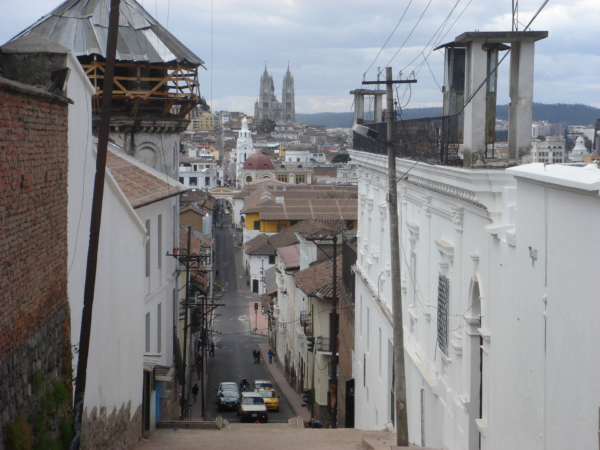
{"x":82,"y":26}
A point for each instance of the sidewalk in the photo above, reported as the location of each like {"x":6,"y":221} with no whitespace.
{"x":285,"y":389}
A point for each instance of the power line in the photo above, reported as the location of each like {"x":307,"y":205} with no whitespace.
{"x":410,"y":34}
{"x":388,"y":39}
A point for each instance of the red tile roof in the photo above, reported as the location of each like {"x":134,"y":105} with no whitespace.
{"x":141,"y":184}
{"x":319,"y":278}
{"x":290,"y":256}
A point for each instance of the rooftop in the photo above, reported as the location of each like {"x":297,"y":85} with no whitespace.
{"x":141,"y":184}
{"x":319,"y":278}
{"x":82,"y":25}
{"x":290,"y":256}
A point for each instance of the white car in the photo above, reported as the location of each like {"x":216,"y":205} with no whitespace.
{"x":252,"y":407}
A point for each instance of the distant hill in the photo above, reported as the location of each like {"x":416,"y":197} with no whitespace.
{"x":558,"y":113}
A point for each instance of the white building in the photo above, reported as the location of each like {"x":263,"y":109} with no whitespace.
{"x":579,"y":151}
{"x":304,"y":154}
{"x":550,"y":151}
{"x":117,"y":339}
{"x":197,"y":169}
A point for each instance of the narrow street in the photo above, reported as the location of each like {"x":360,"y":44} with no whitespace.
{"x":233,"y":354}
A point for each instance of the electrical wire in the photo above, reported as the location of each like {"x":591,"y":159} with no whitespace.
{"x":390,"y":36}
{"x":409,"y":35}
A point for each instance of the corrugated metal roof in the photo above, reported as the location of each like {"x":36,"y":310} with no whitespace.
{"x":82,"y":26}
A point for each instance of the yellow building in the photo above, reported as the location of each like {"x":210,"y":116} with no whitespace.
{"x":271,"y":209}
{"x":200,"y":120}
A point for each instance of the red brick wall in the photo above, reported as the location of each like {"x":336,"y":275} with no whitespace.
{"x":33,"y":212}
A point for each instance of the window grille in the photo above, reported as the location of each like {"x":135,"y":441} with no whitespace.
{"x":442,"y":313}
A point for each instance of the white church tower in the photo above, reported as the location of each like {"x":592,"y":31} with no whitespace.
{"x":244,"y":147}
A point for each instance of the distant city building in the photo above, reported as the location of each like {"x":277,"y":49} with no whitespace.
{"x":552,"y":150}
{"x":197,"y":168}
{"x":200,"y":120}
{"x":268,"y":107}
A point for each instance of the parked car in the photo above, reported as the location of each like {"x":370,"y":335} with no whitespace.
{"x":252,"y":407}
{"x":228,"y":386}
{"x":262,"y":384}
{"x":270,"y":398}
{"x":228,"y":399}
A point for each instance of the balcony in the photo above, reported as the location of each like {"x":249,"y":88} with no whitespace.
{"x":323,"y":346}
{"x":434,"y":140}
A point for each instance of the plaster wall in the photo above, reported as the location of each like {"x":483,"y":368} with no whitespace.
{"x":161,"y":282}
{"x":116,"y":347}
{"x":439,"y":207}
{"x":544,"y":387}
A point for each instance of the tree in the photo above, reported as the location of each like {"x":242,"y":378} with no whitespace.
{"x":341,"y":158}
{"x":267,"y":125}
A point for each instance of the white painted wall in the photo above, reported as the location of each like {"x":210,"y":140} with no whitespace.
{"x":115,"y":360}
{"x":435,"y":220}
{"x":162,"y":280}
{"x":533,"y":322}
{"x":258,"y":266}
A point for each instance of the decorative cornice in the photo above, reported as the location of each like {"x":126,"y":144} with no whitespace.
{"x":446,"y":189}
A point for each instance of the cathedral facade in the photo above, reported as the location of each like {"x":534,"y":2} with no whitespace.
{"x":268,"y":107}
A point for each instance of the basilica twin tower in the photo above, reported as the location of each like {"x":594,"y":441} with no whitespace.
{"x":268,"y":107}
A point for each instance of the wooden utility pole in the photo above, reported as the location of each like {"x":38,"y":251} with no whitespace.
{"x":96,"y":220}
{"x":399,"y":371}
{"x":184,"y":404}
{"x":333,"y":334}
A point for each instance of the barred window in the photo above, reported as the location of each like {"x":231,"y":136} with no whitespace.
{"x":442,"y":313}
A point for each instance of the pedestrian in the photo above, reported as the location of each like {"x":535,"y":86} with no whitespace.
{"x":223,"y":290}
{"x":217,"y":273}
{"x":195,"y":390}
{"x":257,"y":356}
{"x":271,"y":354}
{"x":254,"y":355}
{"x":212,"y":349}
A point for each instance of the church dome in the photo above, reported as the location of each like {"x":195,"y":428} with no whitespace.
{"x":258,"y":161}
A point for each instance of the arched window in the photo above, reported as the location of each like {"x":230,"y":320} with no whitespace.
{"x":248,"y":179}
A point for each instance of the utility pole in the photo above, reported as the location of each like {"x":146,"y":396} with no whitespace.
{"x":333,"y":341}
{"x":399,"y":370}
{"x":185,"y":326}
{"x":96,"y":220}
{"x":400,"y":382}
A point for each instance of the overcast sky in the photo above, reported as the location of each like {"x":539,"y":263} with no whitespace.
{"x":330,"y":44}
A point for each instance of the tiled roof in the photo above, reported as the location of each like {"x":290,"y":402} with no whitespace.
{"x":319,"y":278}
{"x":266,"y":245}
{"x":141,"y":184}
{"x":198,"y":196}
{"x":259,"y":245}
{"x":290,"y":256}
{"x":339,"y":203}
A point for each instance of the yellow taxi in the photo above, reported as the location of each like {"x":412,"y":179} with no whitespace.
{"x":270,"y":398}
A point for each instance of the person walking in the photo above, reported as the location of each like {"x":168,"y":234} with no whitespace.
{"x":271,"y":354}
{"x":257,"y":356}
{"x":212,"y":349}
{"x":195,"y":391}
{"x":254,"y":355}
